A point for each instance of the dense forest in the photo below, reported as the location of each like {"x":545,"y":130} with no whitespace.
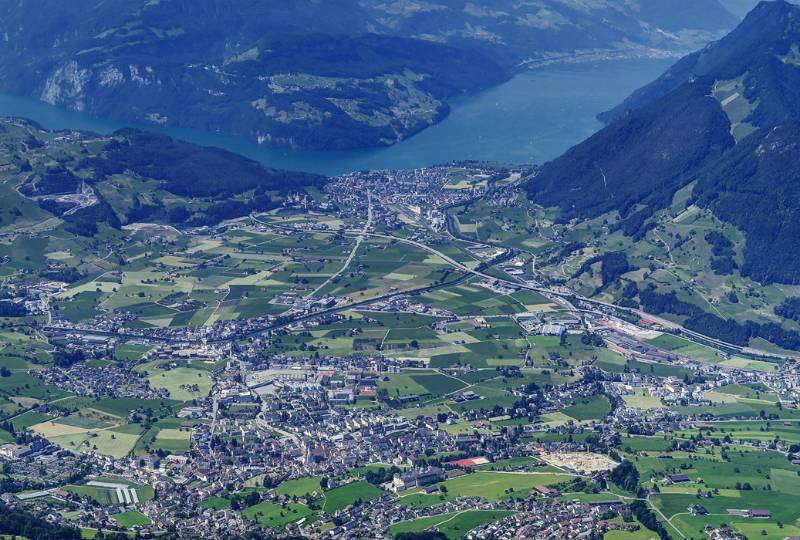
{"x":190,"y":170}
{"x":756,"y":186}
{"x":26,"y":525}
{"x":640,"y":160}
{"x":12,"y":309}
{"x":789,"y":309}
{"x":626,"y":476}
{"x":612,"y":266}
{"x":724,"y":252}
{"x":649,"y":519}
{"x":55,"y":180}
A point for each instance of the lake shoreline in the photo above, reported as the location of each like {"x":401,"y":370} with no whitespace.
{"x":531,"y":118}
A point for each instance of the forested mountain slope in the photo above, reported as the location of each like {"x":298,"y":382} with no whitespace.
{"x":326,"y":75}
{"x":642,"y":158}
{"x":131,"y":176}
{"x":721,"y":121}
{"x":762,"y":51}
{"x":757,"y":188}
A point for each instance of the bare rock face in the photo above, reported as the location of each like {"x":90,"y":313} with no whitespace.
{"x":67,"y":86}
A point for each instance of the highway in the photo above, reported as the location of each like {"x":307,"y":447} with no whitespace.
{"x":359,"y":239}
{"x":565,"y":299}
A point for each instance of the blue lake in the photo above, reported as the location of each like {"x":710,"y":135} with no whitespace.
{"x":532,"y":118}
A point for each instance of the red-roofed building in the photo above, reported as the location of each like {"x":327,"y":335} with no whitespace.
{"x":468,"y":462}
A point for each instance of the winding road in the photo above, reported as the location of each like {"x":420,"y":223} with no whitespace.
{"x":361,"y":237}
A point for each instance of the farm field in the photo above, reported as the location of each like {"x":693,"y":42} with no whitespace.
{"x":590,"y":408}
{"x":386,"y":265}
{"x":641,"y":534}
{"x":300,"y":487}
{"x":131,"y":518}
{"x":108,"y":496}
{"x":249,"y":270}
{"x":182,"y":383}
{"x":454,"y":525}
{"x":344,"y":496}
{"x":640,"y":400}
{"x":215,"y":503}
{"x":489,"y":343}
{"x":276,"y":516}
{"x":279,"y":355}
{"x":498,"y":485}
{"x":740,"y":478}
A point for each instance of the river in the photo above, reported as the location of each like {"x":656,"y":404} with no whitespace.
{"x":532,"y":118}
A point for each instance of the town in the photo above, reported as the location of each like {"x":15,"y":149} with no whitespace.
{"x":358,"y":364}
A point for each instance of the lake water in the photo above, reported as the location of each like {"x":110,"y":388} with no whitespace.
{"x":532,"y":118}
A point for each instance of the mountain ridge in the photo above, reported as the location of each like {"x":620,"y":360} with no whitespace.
{"x":133,"y":176}
{"x":246,"y":67}
{"x":710,"y":123}
{"x":758,"y":38}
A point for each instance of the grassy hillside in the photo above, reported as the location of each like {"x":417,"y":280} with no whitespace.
{"x":133,"y":176}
